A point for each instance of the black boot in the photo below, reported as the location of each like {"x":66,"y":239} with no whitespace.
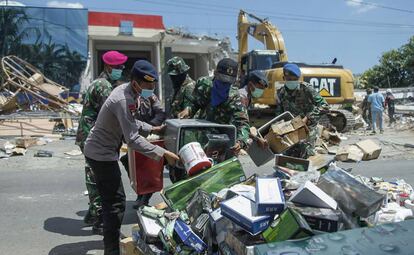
{"x":89,"y":219}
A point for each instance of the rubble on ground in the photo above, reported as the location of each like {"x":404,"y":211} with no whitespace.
{"x":26,"y":88}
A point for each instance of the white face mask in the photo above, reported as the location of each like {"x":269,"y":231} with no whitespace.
{"x":292,"y":85}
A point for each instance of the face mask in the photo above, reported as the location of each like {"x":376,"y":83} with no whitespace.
{"x":146,"y":93}
{"x":257,"y":92}
{"x":177,"y":80}
{"x":292,"y":85}
{"x":116,"y":74}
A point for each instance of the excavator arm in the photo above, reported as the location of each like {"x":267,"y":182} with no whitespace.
{"x":263,"y":31}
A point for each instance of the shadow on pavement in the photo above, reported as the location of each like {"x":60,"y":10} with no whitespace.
{"x":80,"y":248}
{"x":130,"y":215}
{"x":66,"y":226}
{"x":81,"y":213}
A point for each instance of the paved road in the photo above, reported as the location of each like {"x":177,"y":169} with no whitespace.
{"x":42,"y":201}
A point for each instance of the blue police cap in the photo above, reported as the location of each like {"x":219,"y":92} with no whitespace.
{"x":145,"y":70}
{"x":293,"y":69}
{"x":257,"y":76}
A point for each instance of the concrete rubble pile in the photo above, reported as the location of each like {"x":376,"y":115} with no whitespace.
{"x":218,"y":210}
{"x":26,"y":88}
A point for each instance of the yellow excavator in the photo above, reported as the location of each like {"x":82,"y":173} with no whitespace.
{"x":333,"y":82}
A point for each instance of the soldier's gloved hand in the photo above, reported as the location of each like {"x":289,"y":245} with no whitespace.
{"x":305,"y":120}
{"x":159,"y":130}
{"x":171,"y":158}
{"x":262,"y":143}
{"x":236,"y":148}
{"x":184,"y":114}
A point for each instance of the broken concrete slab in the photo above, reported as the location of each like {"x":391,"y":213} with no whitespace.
{"x":370,"y":149}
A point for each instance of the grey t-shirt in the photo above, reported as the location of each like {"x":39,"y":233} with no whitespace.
{"x":116,"y":121}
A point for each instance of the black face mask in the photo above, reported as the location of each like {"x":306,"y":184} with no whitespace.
{"x":177,"y":80}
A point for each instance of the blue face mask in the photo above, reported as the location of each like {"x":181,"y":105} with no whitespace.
{"x":146,"y":93}
{"x":219,"y":92}
{"x":292,"y":85}
{"x":116,"y":74}
{"x":257,"y":92}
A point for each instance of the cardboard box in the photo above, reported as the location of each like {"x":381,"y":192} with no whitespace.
{"x":242,"y":243}
{"x":349,"y":153}
{"x":321,"y":219}
{"x":297,"y":164}
{"x":352,"y":196}
{"x":25,"y":142}
{"x":284,"y":134}
{"x":127,"y":247}
{"x":370,"y":149}
{"x":289,"y":225}
{"x":149,"y":228}
{"x":220,"y":225}
{"x":241,"y":211}
{"x":199,"y":203}
{"x":188,"y":237}
{"x":310,"y":194}
{"x":269,"y":196}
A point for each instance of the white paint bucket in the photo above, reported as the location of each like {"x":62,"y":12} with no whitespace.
{"x":194,"y":158}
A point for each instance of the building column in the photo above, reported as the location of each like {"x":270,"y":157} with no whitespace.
{"x":158,"y":66}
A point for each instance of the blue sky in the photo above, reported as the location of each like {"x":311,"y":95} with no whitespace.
{"x":356,"y":32}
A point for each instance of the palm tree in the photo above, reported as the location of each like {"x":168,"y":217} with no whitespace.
{"x":74,"y":63}
{"x":12,"y":30}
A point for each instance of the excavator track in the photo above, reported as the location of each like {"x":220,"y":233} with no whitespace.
{"x":342,"y":120}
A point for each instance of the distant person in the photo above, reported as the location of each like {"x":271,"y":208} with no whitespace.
{"x":366,"y":109}
{"x":93,"y":99}
{"x":390,"y":104}
{"x":377,"y":102}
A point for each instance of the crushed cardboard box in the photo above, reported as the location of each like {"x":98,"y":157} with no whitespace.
{"x":349,"y":153}
{"x":284,"y":134}
{"x":127,"y":247}
{"x":25,"y":141}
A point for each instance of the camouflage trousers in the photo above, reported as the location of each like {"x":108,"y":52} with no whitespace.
{"x":95,"y":201}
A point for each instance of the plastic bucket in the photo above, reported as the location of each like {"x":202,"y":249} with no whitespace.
{"x":194,"y":158}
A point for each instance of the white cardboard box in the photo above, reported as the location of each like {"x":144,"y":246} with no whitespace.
{"x":270,"y":199}
{"x":310,"y":194}
{"x":241,"y":211}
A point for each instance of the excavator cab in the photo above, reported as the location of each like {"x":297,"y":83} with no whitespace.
{"x":257,"y":60}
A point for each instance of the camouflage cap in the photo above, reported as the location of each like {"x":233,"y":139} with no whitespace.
{"x":176,"y":66}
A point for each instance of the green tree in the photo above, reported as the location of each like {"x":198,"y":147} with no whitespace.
{"x":395,"y":68}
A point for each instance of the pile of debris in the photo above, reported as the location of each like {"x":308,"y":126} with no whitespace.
{"x":20,"y":144}
{"x":26,"y":88}
{"x":220,"y":211}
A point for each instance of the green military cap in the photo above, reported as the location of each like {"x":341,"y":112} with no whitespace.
{"x":176,"y":66}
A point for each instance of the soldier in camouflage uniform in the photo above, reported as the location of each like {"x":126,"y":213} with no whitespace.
{"x":93,"y":99}
{"x":182,"y":83}
{"x":218,"y":100}
{"x":183,"y":95}
{"x":301,"y":99}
